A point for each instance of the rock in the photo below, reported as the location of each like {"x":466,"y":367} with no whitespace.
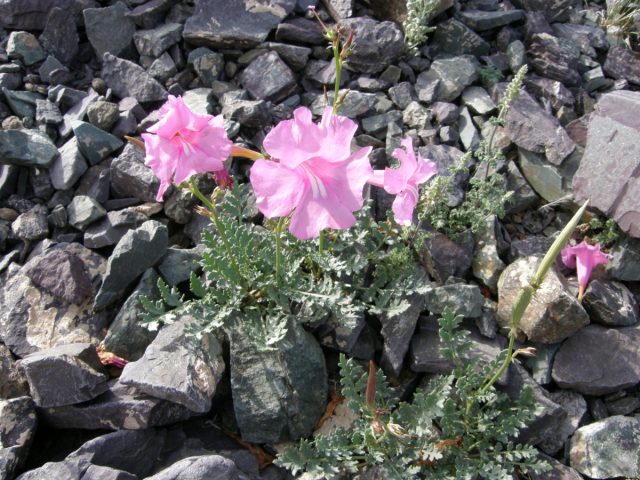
{"x":26,"y":148}
{"x":17,"y":429}
{"x":552,"y":90}
{"x":300,"y":30}
{"x":553,"y":314}
{"x":455,"y":38}
{"x":278,"y":394}
{"x":378,"y":44}
{"x":50,"y":65}
{"x":31,"y":225}
{"x":83,"y":211}
{"x":136,"y":251}
{"x":549,"y":182}
{"x":481,"y":20}
{"x":555,"y":58}
{"x":64,"y":375}
{"x":469,"y":136}
{"x":63,"y":275}
{"x":452,"y":76}
{"x":445,"y":113}
{"x":103,"y":115}
{"x":47,"y":113}
{"x":22,"y":103}
{"x":607,"y":449}
{"x":478,"y":100}
{"x":68,"y":167}
{"x":340,"y":9}
{"x":607,"y":173}
{"x":445,"y":258}
{"x":238,"y":25}
{"x":446,"y":158}
{"x":625,"y":262}
{"x":180,"y":368}
{"x":295,"y":56}
{"x":402,"y":94}
{"x":610,"y":304}
{"x":575,"y":406}
{"x":155,"y":41}
{"x":162,"y":69}
{"x":10,"y":81}
{"x":558,"y":471}
{"x":25,"y":47}
{"x":109,"y":29}
{"x":586,"y":37}
{"x":465,"y":300}
{"x":127,"y":79}
{"x":598,"y":360}
{"x":594,"y":79}
{"x":77,"y":111}
{"x":347,"y":337}
{"x":112,"y":228}
{"x":268,"y":78}
{"x":131,"y":178}
{"x":150,"y":14}
{"x":623,"y":63}
{"x":207,"y":64}
{"x":487,"y":264}
{"x":554,"y":10}
{"x":27,"y":14}
{"x":355,"y":104}
{"x":178,"y":264}
{"x":60,"y":36}
{"x":12,"y":382}
{"x":95,"y":144}
{"x":200,"y":468}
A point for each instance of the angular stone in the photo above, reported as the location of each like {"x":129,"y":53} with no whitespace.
{"x":608,"y":174}
{"x":203,"y":467}
{"x":402,"y":94}
{"x":452,"y":75}
{"x":184,"y":369}
{"x":598,"y":360}
{"x":554,"y":10}
{"x":151,"y":13}
{"x":552,"y":90}
{"x":83,"y":211}
{"x":444,"y":258}
{"x":178,"y":264}
{"x":487,"y":264}
{"x":207,"y":64}
{"x":553,"y":314}
{"x":77,"y":111}
{"x":64,"y":375}
{"x":127,"y":79}
{"x":26,"y":148}
{"x":25,"y":47}
{"x":27,"y":14}
{"x":610,"y":304}
{"x":455,"y":38}
{"x":277,"y":395}
{"x":340,"y":9}
{"x":94,"y":143}
{"x":555,"y":58}
{"x":109,"y":29}
{"x":31,"y":225}
{"x":68,"y":167}
{"x":295,"y":56}
{"x":60,"y":36}
{"x":465,"y":300}
{"x":12,"y":382}
{"x":268,"y":78}
{"x":102,"y":115}
{"x":478,"y":100}
{"x":558,"y":471}
{"x":156,"y":40}
{"x":22,"y":103}
{"x":300,"y":30}
{"x":625,"y":262}
{"x":63,"y":275}
{"x":481,"y":20}
{"x":47,"y":113}
{"x":162,"y":69}
{"x":469,"y":135}
{"x":623,"y":63}
{"x":586,"y":37}
{"x":607,"y":449}
{"x":130,"y":177}
{"x":355,"y":104}
{"x":379,"y":44}
{"x":576,"y":407}
{"x":112,"y":228}
{"x":546,"y":180}
{"x":237,"y":24}
{"x":17,"y":429}
{"x":136,"y":251}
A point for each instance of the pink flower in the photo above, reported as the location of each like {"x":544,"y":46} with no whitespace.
{"x":184,"y":143}
{"x":403,"y":181}
{"x":584,"y":258}
{"x":312,"y":173}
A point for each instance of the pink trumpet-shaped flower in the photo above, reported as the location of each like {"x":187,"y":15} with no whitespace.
{"x":584,"y":258}
{"x":184,"y":143}
{"x":312,"y":173}
{"x":403,"y":181}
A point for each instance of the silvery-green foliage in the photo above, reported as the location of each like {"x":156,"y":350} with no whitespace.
{"x":448,"y":431}
{"x":416,"y":28}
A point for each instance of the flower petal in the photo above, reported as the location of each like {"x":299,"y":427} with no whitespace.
{"x":294,"y":141}
{"x":403,"y":206}
{"x":337,"y":132}
{"x":395,"y":179}
{"x":278,"y":188}
{"x":315,"y":215}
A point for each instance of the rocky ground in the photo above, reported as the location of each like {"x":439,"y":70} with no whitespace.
{"x":81,"y":237}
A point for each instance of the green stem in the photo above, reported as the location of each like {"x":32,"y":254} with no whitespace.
{"x":321,"y":242}
{"x":336,"y":88}
{"x":278,"y":232}
{"x":504,"y":366}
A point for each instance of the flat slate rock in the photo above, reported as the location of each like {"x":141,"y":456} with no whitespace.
{"x":598,"y":360}
{"x":268,"y":78}
{"x":377,"y":45}
{"x":555,"y":58}
{"x":27,"y":14}
{"x":611,"y":304}
{"x":455,"y":38}
{"x":234,"y":23}
{"x":60,"y":36}
{"x":109,"y":29}
{"x":203,"y":467}
{"x":128,"y":79}
{"x":623,"y":63}
{"x":17,"y":428}
{"x":609,"y":170}
{"x":26,"y":148}
{"x":12,"y":382}
{"x":130,"y":177}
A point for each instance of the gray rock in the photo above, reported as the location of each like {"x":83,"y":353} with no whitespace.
{"x":136,"y":251}
{"x":12,"y":382}
{"x":149,"y":14}
{"x":455,"y":38}
{"x":607,"y":173}
{"x":524,"y":197}
{"x":295,"y":56}
{"x":415,"y":116}
{"x":487,"y":264}
{"x":598,"y":360}
{"x":516,"y":55}
{"x":83,"y":211}
{"x":178,"y":264}
{"x":607,"y":449}
{"x":203,"y":467}
{"x":238,"y":25}
{"x":48,"y":67}
{"x":94,"y":143}
{"x":47,"y":113}
{"x":31,"y":225}
{"x":60,"y":35}
{"x":22,"y":103}
{"x":481,"y":20}
{"x":340,"y":9}
{"x":131,"y":178}
{"x":377,"y":124}
{"x":542,"y":364}
{"x":446,"y":157}
{"x":355,"y":103}
{"x":554,"y":10}
{"x":68,"y":167}
{"x":623,"y":63}
{"x":625,"y":260}
{"x":450,"y":75}
{"x":552,"y":90}
{"x":478,"y":100}
{"x":553,"y":314}
{"x":27,"y":14}
{"x":549,"y":182}
{"x":10,"y":81}
{"x":280,"y":394}
{"x":445,"y":113}
{"x":207,"y":64}
{"x":127,"y":79}
{"x":594,"y":79}
{"x":586,"y":37}
{"x":402,"y":94}
{"x":32,"y":319}
{"x":77,"y":111}
{"x":465,"y":300}
{"x":300,"y":30}
{"x":558,"y":471}
{"x":64,"y":375}
{"x":346,"y":337}
{"x":576,"y":407}
{"x":444,"y":258}
{"x":154,"y":41}
{"x":469,"y":135}
{"x":62,"y":274}
{"x":102,"y":115}
{"x":268,"y":78}
{"x":180,"y":368}
{"x":25,"y":47}
{"x":555,"y":58}
{"x":109,"y":29}
{"x":379,"y":44}
{"x":17,"y":429}
{"x":610,"y":304}
{"x":162,"y":68}
{"x":26,"y":148}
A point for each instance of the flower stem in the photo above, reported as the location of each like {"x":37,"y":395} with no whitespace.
{"x":338,"y":60}
{"x":278,"y":232}
{"x":321,"y":242}
{"x":237,"y":151}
